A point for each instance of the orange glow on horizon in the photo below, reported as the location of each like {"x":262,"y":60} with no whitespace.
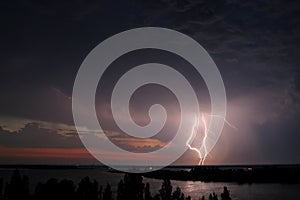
{"x":80,"y":153}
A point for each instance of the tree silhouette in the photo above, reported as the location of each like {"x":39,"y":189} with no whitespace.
{"x":47,"y":191}
{"x":157,"y":197}
{"x":1,"y":188}
{"x":121,"y":190}
{"x":107,"y":195}
{"x":166,"y":190}
{"x":131,"y":188}
{"x":66,"y":189}
{"x":17,"y":188}
{"x":177,"y":194}
{"x":188,"y":198}
{"x":100,"y":193}
{"x":215,"y":197}
{"x":87,"y":190}
{"x":225,"y":195}
{"x":147,"y":192}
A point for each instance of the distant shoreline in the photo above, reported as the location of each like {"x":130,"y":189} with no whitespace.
{"x":45,"y":166}
{"x":284,"y":174}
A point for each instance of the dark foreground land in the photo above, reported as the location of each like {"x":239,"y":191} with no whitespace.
{"x":131,"y":187}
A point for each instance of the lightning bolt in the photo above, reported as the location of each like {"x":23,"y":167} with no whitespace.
{"x":202,"y":151}
{"x":225,"y":120}
{"x":194,"y":131}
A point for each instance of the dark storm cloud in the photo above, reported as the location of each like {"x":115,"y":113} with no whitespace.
{"x":34,"y":136}
{"x":46,"y":104}
{"x":43,"y":45}
{"x":253,"y":43}
{"x":246,"y":38}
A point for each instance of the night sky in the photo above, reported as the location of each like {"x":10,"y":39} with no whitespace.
{"x":255,"y":45}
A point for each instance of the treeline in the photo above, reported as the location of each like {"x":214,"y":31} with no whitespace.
{"x":131,"y":187}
